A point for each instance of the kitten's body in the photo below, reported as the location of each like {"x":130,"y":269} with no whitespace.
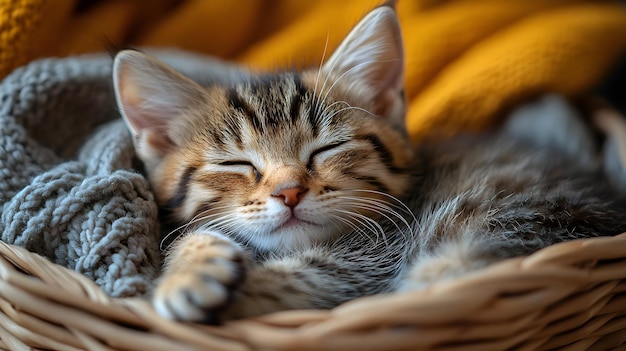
{"x":300,"y":190}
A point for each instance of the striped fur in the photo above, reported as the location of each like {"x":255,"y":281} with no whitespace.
{"x":300,"y":189}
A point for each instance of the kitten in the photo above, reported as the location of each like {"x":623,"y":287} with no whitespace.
{"x":301,"y":189}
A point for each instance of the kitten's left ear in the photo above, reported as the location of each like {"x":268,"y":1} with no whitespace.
{"x":371,"y":60}
{"x":154,"y":101}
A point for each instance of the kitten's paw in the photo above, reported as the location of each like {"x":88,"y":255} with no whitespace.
{"x":201,"y":291}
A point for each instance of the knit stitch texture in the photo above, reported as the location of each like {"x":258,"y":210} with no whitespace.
{"x":68,"y":188}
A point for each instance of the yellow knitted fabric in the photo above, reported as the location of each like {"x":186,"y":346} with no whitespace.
{"x":564,"y":49}
{"x":468,"y":61}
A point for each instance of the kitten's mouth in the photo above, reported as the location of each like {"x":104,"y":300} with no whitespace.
{"x":293,"y":222}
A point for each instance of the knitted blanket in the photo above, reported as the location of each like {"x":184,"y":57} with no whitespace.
{"x":68,"y":190}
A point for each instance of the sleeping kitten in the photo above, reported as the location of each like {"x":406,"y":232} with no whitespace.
{"x":301,"y":189}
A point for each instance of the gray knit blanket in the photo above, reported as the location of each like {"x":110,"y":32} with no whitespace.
{"x":69,"y":188}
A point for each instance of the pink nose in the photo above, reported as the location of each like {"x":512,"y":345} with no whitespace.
{"x":290,"y":196}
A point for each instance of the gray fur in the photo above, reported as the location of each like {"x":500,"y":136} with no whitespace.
{"x":613,"y":163}
{"x":476,"y":200}
{"x":552,"y":122}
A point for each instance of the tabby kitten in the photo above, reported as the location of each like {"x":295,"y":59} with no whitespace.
{"x":301,"y":190}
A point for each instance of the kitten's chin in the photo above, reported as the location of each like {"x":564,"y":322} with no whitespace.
{"x":294,"y":223}
{"x":294,"y":234}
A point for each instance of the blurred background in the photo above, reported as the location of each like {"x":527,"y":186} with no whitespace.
{"x":467,"y":61}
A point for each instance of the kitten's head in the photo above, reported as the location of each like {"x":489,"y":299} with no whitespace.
{"x":283,"y":160}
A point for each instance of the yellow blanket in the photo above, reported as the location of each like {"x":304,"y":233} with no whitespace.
{"x":468,"y":61}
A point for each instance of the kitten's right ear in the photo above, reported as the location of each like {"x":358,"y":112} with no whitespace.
{"x":153,"y":100}
{"x":371,"y":59}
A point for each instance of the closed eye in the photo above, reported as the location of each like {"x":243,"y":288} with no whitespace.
{"x":255,"y":171}
{"x":309,"y":165}
{"x":236,"y":163}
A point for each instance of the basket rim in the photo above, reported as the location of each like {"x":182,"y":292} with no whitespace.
{"x":582,"y":272}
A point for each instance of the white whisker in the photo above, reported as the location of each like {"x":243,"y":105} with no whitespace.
{"x":202,"y":216}
{"x":380,"y":207}
{"x":345,"y":109}
{"x":393,"y":198}
{"x":354,"y":227}
{"x":360,"y":217}
{"x":317,"y":78}
{"x":382,"y":213}
{"x":323,"y":100}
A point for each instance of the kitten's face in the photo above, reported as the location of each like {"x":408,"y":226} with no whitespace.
{"x":281,"y":161}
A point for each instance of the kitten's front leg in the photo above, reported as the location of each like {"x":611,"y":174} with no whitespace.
{"x":204,"y":280}
{"x":313,"y":279}
{"x":201,"y":272}
{"x":281,"y":285}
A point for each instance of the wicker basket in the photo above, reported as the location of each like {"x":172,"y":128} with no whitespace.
{"x":568,"y":296}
